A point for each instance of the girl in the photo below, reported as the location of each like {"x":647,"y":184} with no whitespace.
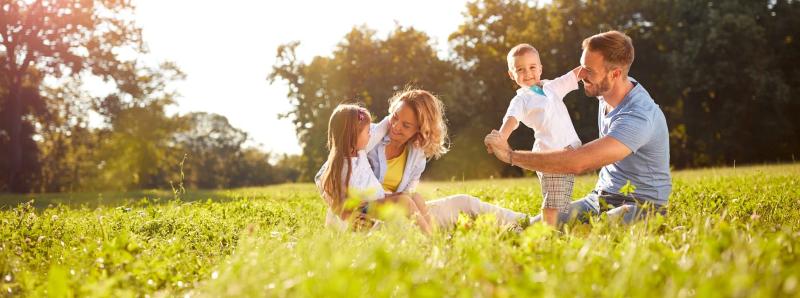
{"x":347,"y":171}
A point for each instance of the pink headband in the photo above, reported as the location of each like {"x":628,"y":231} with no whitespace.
{"x":362,"y":116}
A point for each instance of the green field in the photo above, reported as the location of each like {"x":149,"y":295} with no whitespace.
{"x":729,"y":233}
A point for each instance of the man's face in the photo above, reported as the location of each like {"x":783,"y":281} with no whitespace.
{"x":525,"y":70}
{"x":596,"y":79}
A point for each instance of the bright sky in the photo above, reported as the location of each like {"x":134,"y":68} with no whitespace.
{"x":227,"y":49}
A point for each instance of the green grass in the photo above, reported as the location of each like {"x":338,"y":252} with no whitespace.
{"x":729,"y":233}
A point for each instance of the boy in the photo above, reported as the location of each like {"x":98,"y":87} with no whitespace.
{"x":540,"y":106}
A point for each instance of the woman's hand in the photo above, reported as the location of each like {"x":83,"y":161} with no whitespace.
{"x":420,"y":202}
{"x":392,"y":197}
{"x":415,"y":208}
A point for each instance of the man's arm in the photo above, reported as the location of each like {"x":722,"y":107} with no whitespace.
{"x":593,"y":155}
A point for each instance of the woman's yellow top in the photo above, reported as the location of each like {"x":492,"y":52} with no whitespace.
{"x":394,"y":171}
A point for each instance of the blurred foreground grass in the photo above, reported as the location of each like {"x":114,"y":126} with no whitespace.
{"x":729,"y":232}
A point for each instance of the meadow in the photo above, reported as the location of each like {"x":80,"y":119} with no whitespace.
{"x":730,"y":232}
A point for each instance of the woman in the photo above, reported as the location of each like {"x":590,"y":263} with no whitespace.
{"x":417,"y":132}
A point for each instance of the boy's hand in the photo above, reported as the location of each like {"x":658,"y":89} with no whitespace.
{"x":577,"y":71}
{"x":498,"y":145}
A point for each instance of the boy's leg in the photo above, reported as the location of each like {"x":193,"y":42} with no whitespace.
{"x":579,"y":210}
{"x":445,"y":211}
{"x":556,"y":195}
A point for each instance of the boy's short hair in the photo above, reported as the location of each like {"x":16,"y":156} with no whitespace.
{"x":615,"y":46}
{"x":519,"y":50}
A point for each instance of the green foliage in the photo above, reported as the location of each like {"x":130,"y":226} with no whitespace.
{"x":54,"y":39}
{"x":627,"y":189}
{"x":729,"y":232}
{"x":67,"y":142}
{"x":45,"y":135}
{"x":141,"y":146}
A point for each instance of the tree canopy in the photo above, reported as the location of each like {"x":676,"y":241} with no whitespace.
{"x":722,"y":71}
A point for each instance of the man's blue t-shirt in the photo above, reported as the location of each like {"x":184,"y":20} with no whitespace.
{"x":639,"y":123}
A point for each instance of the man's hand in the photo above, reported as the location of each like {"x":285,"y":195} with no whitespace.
{"x":486,"y":143}
{"x":498,"y":146}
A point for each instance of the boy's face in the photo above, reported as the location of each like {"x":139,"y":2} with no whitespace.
{"x":525,"y":70}
{"x":363,"y":138}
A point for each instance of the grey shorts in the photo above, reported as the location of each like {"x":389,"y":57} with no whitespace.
{"x":556,"y":190}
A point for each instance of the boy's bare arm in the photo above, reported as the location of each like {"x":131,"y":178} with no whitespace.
{"x":563,"y":85}
{"x":509,"y":125}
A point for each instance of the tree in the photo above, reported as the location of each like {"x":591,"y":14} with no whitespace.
{"x":214,"y":148}
{"x":67,"y":145}
{"x":217,"y":156}
{"x":137,"y":149}
{"x":732,"y":93}
{"x":54,"y":38}
{"x":34,"y":105}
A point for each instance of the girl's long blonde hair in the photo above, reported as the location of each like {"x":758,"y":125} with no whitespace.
{"x":344,"y":126}
{"x":432,"y":135}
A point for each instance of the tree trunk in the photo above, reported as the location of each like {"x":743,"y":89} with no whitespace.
{"x":15,"y":179}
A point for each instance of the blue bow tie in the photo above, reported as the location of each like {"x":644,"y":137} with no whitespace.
{"x":537,"y":90}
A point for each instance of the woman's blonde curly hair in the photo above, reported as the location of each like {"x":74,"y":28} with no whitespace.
{"x":432,"y":135}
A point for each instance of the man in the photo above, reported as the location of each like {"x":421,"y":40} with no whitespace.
{"x":633,"y":147}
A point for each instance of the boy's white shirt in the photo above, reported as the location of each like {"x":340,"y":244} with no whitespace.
{"x":547,"y":115}
{"x":362,"y":180}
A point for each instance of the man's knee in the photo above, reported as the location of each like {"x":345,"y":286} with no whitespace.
{"x":579,"y":210}
{"x":636,"y":213}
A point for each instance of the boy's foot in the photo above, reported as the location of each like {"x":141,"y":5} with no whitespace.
{"x":523,"y":223}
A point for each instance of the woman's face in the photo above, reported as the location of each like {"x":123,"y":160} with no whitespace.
{"x":403,"y":124}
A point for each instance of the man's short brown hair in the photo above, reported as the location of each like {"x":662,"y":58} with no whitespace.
{"x":519,"y":50}
{"x":615,"y":46}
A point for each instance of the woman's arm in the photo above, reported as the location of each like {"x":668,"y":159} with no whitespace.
{"x":414,"y":206}
{"x":418,"y":169}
